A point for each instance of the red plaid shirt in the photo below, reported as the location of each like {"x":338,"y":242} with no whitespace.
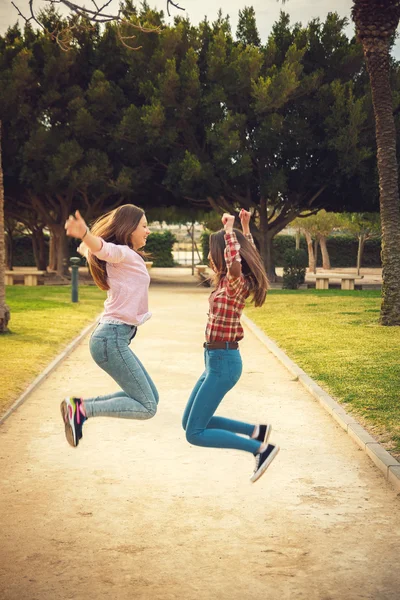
{"x":227,"y":301}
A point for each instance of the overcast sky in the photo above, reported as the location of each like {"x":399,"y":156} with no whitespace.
{"x":267,"y":11}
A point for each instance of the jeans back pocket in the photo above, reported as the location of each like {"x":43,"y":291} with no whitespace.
{"x":98,"y":349}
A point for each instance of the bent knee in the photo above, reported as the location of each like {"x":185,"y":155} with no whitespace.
{"x":192,"y":437}
{"x":152,"y":410}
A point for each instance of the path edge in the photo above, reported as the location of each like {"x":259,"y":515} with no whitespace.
{"x":48,"y":370}
{"x":385,"y":462}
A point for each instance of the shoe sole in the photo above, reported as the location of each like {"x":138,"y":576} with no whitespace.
{"x":256,"y":476}
{"x":69,"y":432}
{"x":267,"y":434}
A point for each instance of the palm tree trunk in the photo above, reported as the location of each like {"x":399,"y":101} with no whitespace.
{"x":4,"y":310}
{"x":376,"y":22}
{"x":388,"y":184}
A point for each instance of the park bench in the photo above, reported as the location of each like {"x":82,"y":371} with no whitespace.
{"x":200,"y":269}
{"x":347,"y":280}
{"x":29,"y":277}
{"x":203,"y":274}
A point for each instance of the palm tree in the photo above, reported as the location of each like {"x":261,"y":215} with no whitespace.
{"x":4,"y":310}
{"x":376,"y":23}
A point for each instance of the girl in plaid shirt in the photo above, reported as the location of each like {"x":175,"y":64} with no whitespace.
{"x":239,"y":273}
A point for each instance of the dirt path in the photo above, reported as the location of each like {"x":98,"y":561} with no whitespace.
{"x":136,"y":513}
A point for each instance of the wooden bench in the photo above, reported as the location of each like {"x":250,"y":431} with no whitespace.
{"x":30,"y":277}
{"x":347,"y":280}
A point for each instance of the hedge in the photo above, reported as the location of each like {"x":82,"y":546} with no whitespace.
{"x":23,"y":251}
{"x":159,"y":247}
{"x":342,"y":250}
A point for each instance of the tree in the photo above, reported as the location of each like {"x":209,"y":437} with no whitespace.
{"x":60,"y":141}
{"x":82,"y":19}
{"x":376,"y":23}
{"x":4,"y":309}
{"x":247,"y":32}
{"x":317,"y":227}
{"x":364,"y":226}
{"x":257,"y":128}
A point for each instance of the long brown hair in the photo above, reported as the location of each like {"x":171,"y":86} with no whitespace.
{"x":117,"y":227}
{"x":252,"y":265}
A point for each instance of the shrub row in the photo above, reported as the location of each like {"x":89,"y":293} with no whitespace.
{"x":342,"y":250}
{"x":159,"y":247}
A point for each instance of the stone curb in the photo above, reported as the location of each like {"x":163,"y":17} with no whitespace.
{"x":49,"y":369}
{"x":382,"y":459}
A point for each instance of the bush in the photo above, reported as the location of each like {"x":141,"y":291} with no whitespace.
{"x":23,"y":250}
{"x":294,"y":268}
{"x":205,"y":245}
{"x":342,"y":250}
{"x":159,"y":246}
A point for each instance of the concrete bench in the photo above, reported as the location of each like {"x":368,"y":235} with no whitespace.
{"x":347,"y":280}
{"x":203,"y":274}
{"x":30,"y":277}
{"x":200,"y":269}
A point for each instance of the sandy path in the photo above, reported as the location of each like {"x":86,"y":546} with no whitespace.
{"x":136,"y":513}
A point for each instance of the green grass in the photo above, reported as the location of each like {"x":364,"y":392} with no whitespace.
{"x":43,"y":322}
{"x":335,"y":337}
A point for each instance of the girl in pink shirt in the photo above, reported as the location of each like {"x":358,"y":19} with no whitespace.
{"x":112,"y":249}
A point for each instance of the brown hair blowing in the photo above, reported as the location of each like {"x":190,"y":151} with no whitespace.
{"x":252,"y":265}
{"x":116,"y":227}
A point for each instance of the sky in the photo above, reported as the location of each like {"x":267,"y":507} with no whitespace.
{"x":267,"y":11}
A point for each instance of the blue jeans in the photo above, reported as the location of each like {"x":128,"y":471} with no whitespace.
{"x":223,"y":369}
{"x":138,"y":397}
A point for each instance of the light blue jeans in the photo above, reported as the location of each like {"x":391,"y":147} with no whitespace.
{"x":223,"y":369}
{"x":138,"y":397}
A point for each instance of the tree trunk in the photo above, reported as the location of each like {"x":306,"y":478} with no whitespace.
{"x":382,"y":22}
{"x":310,"y":249}
{"x":269,"y":259}
{"x":326,"y":263}
{"x":4,"y":309}
{"x":9,"y":249}
{"x":360,"y":251}
{"x":298,"y":239}
{"x":266,"y":241}
{"x":52,"y":252}
{"x":315,"y":254}
{"x":39,"y":249}
{"x":62,"y":250}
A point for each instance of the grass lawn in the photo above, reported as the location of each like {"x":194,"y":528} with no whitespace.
{"x":43,"y":322}
{"x":335,"y":337}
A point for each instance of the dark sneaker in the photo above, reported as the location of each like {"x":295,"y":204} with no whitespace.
{"x":264,"y":433}
{"x":263,"y":460}
{"x":73,"y":420}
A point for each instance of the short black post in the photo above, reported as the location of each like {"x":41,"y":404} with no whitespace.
{"x":75,"y":262}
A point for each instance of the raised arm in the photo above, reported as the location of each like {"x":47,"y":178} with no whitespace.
{"x":245,"y":217}
{"x":76,"y":227}
{"x":232,"y":248}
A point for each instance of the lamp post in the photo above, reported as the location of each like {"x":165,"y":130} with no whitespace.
{"x":75,"y":262}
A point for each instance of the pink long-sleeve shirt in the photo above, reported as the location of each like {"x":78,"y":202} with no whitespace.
{"x":128,"y":297}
